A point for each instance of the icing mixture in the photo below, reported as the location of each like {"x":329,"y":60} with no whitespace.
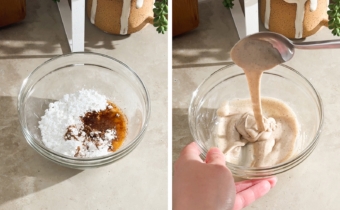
{"x":257,"y":132}
{"x":83,"y":124}
{"x":243,"y":144}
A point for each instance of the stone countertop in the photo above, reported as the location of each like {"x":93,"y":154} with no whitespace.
{"x":315,"y":183}
{"x":29,"y":181}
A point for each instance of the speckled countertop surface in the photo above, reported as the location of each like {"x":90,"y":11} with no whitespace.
{"x":315,"y":183}
{"x":29,"y":181}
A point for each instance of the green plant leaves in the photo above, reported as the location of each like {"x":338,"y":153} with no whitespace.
{"x":334,"y":17}
{"x":228,"y":3}
{"x":160,"y":16}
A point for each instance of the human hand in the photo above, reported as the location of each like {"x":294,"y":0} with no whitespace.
{"x":210,"y":185}
{"x":199,"y":185}
{"x":250,"y":190}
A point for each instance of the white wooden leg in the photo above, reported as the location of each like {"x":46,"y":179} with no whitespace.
{"x":247,"y":23}
{"x":74,"y":23}
{"x":251,"y":16}
{"x":78,"y":25}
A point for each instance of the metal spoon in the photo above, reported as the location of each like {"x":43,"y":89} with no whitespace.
{"x":286,"y":47}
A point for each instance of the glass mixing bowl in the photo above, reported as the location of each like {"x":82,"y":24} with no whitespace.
{"x":70,"y":73}
{"x":283,"y":83}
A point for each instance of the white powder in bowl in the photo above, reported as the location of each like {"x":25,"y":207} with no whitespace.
{"x":68,"y":112}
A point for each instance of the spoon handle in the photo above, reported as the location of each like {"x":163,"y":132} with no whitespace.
{"x":328,"y":44}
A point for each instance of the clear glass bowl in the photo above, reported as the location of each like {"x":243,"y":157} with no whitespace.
{"x":70,"y":73}
{"x":283,"y":83}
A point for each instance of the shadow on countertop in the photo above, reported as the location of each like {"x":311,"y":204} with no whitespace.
{"x":23,"y":171}
{"x":41,"y":34}
{"x":212,"y":39}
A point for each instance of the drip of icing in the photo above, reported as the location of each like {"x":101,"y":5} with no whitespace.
{"x":139,"y":3}
{"x":93,"y":11}
{"x":300,"y":13}
{"x":267,"y":14}
{"x":313,"y":5}
{"x":124,"y":18}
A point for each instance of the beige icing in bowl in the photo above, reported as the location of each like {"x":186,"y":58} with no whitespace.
{"x":282,"y":83}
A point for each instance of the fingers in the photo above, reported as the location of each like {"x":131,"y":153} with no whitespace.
{"x":215,"y":156}
{"x":240,"y":186}
{"x":246,"y":197}
{"x":191,"y":152}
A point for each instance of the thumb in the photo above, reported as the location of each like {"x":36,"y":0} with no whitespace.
{"x":215,"y":156}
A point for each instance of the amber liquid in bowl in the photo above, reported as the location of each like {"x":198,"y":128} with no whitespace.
{"x":111,"y":118}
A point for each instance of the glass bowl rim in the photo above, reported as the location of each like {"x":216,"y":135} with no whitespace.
{"x":86,"y":159}
{"x":290,"y":163}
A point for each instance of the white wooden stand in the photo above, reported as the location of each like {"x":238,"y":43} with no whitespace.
{"x":247,"y":23}
{"x":74,"y":23}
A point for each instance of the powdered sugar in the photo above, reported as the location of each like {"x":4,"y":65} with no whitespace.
{"x":64,"y":116}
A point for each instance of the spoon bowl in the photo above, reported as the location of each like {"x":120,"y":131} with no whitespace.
{"x":286,"y":47}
